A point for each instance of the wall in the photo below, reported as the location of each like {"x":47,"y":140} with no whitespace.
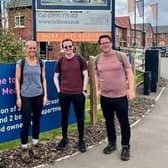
{"x":21,"y":33}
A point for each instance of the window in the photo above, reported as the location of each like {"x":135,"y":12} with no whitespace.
{"x":162,"y":36}
{"x":43,"y":50}
{"x":19,"y":21}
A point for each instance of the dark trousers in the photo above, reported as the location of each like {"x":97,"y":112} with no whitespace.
{"x":31,"y":111}
{"x":120,"y":106}
{"x":78,"y":101}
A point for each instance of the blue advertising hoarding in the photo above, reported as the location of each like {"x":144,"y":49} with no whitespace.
{"x":10,"y":117}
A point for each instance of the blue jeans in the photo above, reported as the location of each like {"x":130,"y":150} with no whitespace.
{"x":120,"y":106}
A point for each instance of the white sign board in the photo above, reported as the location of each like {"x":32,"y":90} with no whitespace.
{"x":67,"y":21}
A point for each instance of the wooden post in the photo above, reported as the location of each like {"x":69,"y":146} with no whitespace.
{"x":93,"y":97}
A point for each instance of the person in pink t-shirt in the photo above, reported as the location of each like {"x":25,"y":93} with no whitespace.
{"x":115,"y":86}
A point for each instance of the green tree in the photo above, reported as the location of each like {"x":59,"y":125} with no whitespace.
{"x":88,"y":49}
{"x":10,"y":48}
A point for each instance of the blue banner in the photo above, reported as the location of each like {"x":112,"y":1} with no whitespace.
{"x":10,"y":117}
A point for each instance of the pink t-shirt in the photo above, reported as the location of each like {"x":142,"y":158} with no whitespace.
{"x":111,"y":74}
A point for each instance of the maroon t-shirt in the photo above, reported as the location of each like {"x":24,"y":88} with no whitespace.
{"x":71,"y":79}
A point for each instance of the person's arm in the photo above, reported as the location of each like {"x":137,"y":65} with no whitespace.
{"x":131,"y":84}
{"x":85,"y":79}
{"x":56,"y":81}
{"x":97,"y":85}
{"x":17,"y":85}
{"x":44,"y":83}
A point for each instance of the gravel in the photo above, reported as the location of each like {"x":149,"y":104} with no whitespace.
{"x":93,"y":135}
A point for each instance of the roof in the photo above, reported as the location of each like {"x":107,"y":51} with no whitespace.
{"x":161,"y":29}
{"x":123,"y":21}
{"x":146,"y":26}
{"x":19,"y":3}
{"x":137,"y":28}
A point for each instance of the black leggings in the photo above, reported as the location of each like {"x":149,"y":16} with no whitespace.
{"x":120,"y":105}
{"x":78,"y":101}
{"x":31,"y":110}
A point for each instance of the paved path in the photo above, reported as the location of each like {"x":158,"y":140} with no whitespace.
{"x":149,"y":147}
{"x":149,"y":143}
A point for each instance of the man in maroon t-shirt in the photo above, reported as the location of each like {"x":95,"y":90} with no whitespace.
{"x":71,"y":88}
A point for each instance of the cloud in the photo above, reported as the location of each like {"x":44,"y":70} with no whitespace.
{"x":121,"y":7}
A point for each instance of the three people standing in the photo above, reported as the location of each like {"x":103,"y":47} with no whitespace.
{"x":115,"y":86}
{"x":72,"y":71}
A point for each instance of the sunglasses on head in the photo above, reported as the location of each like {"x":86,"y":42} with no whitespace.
{"x":66,"y":47}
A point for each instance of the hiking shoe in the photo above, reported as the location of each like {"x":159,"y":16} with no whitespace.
{"x":62,"y":144}
{"x":35,"y":150}
{"x":109,"y":148}
{"x":1,"y":163}
{"x":82,"y":146}
{"x":125,"y":153}
{"x":25,"y":157}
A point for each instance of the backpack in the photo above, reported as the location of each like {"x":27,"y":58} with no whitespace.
{"x":22,"y":67}
{"x":119,"y":56}
{"x":80,"y":60}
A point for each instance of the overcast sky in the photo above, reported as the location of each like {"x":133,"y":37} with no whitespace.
{"x":121,"y":10}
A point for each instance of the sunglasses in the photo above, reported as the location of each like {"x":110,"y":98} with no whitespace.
{"x":66,"y":47}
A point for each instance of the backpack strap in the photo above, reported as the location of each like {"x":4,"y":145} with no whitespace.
{"x":59,"y":63}
{"x":120,"y":58}
{"x":97,"y":60}
{"x":41,"y":66}
{"x":80,"y":59}
{"x":22,"y":67}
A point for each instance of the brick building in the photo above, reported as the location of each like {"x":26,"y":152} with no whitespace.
{"x":162,"y":35}
{"x":147,"y":37}
{"x":123,"y":31}
{"x":20,"y":23}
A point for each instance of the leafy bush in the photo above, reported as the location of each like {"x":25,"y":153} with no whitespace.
{"x":10,"y":48}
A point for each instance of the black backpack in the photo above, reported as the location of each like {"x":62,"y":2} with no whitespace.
{"x":80,"y":60}
{"x":22,"y":67}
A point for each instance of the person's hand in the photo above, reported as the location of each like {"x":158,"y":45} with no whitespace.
{"x":130,"y":94}
{"x":98,"y":93}
{"x":84,"y":93}
{"x":19,"y":103}
{"x":45,"y":100}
